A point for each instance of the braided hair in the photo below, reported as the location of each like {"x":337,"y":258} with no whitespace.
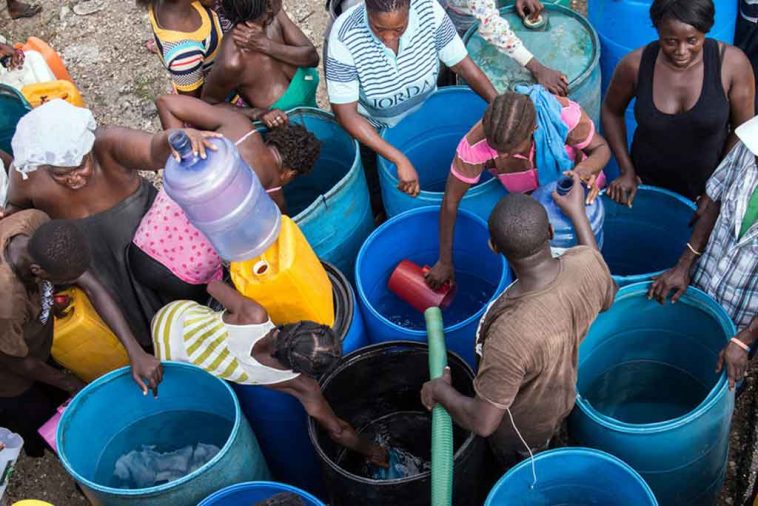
{"x":387,"y":5}
{"x":508,"y":121}
{"x":239,"y":11}
{"x":307,"y":347}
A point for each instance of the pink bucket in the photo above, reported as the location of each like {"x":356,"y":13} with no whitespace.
{"x":50,"y":429}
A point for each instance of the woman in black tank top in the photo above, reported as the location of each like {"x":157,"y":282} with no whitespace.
{"x":691,"y":93}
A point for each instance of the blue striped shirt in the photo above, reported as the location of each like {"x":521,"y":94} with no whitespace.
{"x":388,"y":87}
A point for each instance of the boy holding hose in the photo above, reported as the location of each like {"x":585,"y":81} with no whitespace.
{"x":528,"y":340}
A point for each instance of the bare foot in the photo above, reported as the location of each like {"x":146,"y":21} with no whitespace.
{"x":19,"y":10}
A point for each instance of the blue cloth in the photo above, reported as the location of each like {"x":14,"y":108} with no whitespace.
{"x":550,"y":137}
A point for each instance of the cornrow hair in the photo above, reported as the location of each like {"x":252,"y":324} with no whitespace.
{"x":307,"y":347}
{"x":386,"y":5}
{"x":239,"y":11}
{"x":508,"y":121}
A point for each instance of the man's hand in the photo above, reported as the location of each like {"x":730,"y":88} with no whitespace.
{"x":736,"y":361}
{"x":676,"y":279}
{"x":146,"y":367}
{"x":572,"y":204}
{"x":274,"y":119}
{"x":428,"y":398}
{"x":250,"y":37}
{"x":200,"y":141}
{"x":71,"y":384}
{"x":623,"y":189}
{"x":555,"y":82}
{"x":408,"y":177}
{"x":441,"y":273}
{"x":531,"y":8}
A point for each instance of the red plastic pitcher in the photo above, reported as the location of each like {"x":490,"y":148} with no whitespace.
{"x":408,"y":283}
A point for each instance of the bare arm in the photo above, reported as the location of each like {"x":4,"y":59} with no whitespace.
{"x":741,"y":92}
{"x":475,"y":78}
{"x":236,"y":303}
{"x":443,"y":270}
{"x":297,"y":49}
{"x":175,"y":111}
{"x":18,"y":196}
{"x":620,"y":93}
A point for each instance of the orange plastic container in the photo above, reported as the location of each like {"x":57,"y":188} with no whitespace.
{"x":52,"y":58}
{"x":39,"y":93}
{"x":83,"y":343}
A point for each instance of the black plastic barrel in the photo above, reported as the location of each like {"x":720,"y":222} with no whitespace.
{"x":382,"y":383}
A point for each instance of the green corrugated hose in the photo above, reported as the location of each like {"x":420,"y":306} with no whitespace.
{"x":442,"y":424}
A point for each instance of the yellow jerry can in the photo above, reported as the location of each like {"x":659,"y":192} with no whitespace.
{"x":83,"y":343}
{"x":287,"y":279}
{"x":39,"y":93}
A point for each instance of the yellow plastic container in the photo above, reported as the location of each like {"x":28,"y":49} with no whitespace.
{"x":39,"y":93}
{"x":83,"y":343}
{"x":287,"y":279}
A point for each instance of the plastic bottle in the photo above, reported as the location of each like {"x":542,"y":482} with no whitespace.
{"x":10,"y":448}
{"x":565,"y":236}
{"x":223,"y":198}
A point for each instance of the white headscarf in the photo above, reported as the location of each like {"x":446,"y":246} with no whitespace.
{"x":55,"y":133}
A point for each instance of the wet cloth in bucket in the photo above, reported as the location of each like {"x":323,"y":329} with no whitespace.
{"x":148,"y":467}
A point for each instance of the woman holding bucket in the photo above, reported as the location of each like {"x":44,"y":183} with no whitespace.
{"x":382,"y":64}
{"x":524,"y":140}
{"x":691,"y":94}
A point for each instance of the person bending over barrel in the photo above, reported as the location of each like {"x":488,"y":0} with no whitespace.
{"x":240,"y":344}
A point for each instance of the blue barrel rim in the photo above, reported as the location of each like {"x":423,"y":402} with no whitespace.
{"x":501,"y":286}
{"x":306,"y":214}
{"x":126,"y":371}
{"x":700,"y":300}
{"x":593,"y":62}
{"x":349,"y":360}
{"x":283,"y":487}
{"x":578,"y":451}
{"x":384,"y":165}
{"x":662,"y":191}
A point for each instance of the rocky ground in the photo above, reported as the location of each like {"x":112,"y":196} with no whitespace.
{"x":120,"y":80}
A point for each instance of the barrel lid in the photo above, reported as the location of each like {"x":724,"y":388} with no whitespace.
{"x":568,"y":43}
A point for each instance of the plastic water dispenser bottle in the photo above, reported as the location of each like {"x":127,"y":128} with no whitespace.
{"x":565,"y":236}
{"x":223,"y":198}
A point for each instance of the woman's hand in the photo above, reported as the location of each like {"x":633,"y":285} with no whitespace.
{"x":250,"y":37}
{"x":408,"y":177}
{"x":587,"y":176}
{"x":146,"y":367}
{"x":676,"y":279}
{"x":531,"y":8}
{"x":441,"y":273}
{"x":623,"y":189}
{"x":274,"y":119}
{"x":555,"y":82}
{"x":200,"y":141}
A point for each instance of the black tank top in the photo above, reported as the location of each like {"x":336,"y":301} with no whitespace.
{"x":679,"y":152}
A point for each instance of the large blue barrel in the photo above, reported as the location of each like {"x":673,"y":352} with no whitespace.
{"x":572,"y":476}
{"x":480,"y":276}
{"x":279,"y":419}
{"x":428,"y":138}
{"x":249,"y":494}
{"x":648,"y":238}
{"x":624,"y":25}
{"x":568,"y":43}
{"x":13,"y":106}
{"x":111,"y":417}
{"x":648,"y":393}
{"x":331,"y":203}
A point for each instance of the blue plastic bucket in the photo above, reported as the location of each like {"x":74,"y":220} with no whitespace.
{"x":624,"y":25}
{"x":568,"y":43}
{"x":572,"y":477}
{"x":648,"y":238}
{"x":248,"y":494}
{"x":111,"y":417}
{"x":331,"y":204}
{"x":481,"y":276}
{"x":648,"y":393}
{"x":279,"y":419}
{"x":428,"y":137}
{"x":13,"y":106}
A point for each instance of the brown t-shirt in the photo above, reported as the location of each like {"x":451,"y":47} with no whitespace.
{"x":22,"y":333}
{"x":529,"y":349}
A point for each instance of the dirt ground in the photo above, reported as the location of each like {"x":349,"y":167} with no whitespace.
{"x":119,"y":80}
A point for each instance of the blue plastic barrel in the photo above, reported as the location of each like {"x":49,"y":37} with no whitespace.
{"x":624,"y":25}
{"x":331,"y":203}
{"x":111,"y":417}
{"x":13,"y":106}
{"x":567,"y":43}
{"x":248,"y":494}
{"x":480,"y":276}
{"x":572,"y":476}
{"x":279,"y":419}
{"x":648,"y":238}
{"x":648,"y":393}
{"x":428,"y":138}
